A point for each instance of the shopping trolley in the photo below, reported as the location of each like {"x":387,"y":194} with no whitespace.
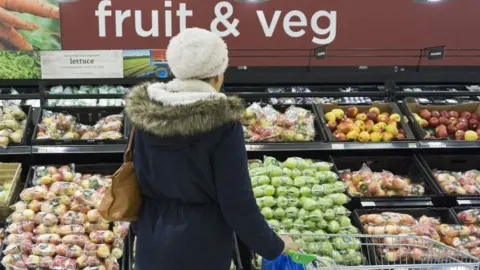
{"x":380,"y":252}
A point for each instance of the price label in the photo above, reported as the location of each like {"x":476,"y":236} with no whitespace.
{"x":368,"y":204}
{"x":412,"y":145}
{"x":464,"y":202}
{"x":336,"y":146}
{"x":437,"y":144}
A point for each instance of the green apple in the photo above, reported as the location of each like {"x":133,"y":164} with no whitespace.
{"x":310,"y":224}
{"x":291,"y":212}
{"x":339,"y":243}
{"x":322,"y":224}
{"x":323,"y":166}
{"x":344,"y":221}
{"x":329,"y":215}
{"x":321,"y":177}
{"x":268,"y":190}
{"x":282,"y":201}
{"x":274,"y":171}
{"x":303,"y":164}
{"x":340,"y":210}
{"x":293,"y":192}
{"x":258,"y":171}
{"x":281,"y":191}
{"x":308,"y":172}
{"x":311,"y":180}
{"x":303,"y":214}
{"x":254,"y":163}
{"x":339,"y":198}
{"x":287,"y":223}
{"x":286,"y":172}
{"x":354,"y":244}
{"x":331,"y":177}
{"x":300,"y":181}
{"x":268,"y":201}
{"x":324,"y":203}
{"x":293,"y":202}
{"x":318,"y":190}
{"x":326,"y":248}
{"x":267,"y":212}
{"x":306,"y":191}
{"x":273,"y":223}
{"x":270,"y":161}
{"x":295,"y":173}
{"x":339,"y":186}
{"x":279,"y":181}
{"x":260,"y":180}
{"x":333,"y":226}
{"x":308,"y":236}
{"x":312,"y":248}
{"x":279,"y":213}
{"x":290,"y":163}
{"x":299,"y":224}
{"x":258,"y":192}
{"x":336,"y":256}
{"x":259,"y":202}
{"x":316,"y":215}
{"x":309,"y":204}
{"x":294,"y":231}
{"x":352,"y":230}
{"x":318,"y":235}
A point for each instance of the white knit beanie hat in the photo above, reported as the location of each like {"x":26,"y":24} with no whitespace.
{"x":197,"y":54}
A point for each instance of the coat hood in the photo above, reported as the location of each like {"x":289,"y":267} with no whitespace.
{"x":180,"y":107}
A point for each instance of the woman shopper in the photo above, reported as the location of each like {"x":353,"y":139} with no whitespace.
{"x":191,"y":164}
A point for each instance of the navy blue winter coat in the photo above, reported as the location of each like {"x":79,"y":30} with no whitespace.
{"x":191,"y":164}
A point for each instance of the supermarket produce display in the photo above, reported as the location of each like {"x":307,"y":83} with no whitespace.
{"x":321,"y":163}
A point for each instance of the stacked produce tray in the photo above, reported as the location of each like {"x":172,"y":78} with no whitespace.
{"x":386,"y":181}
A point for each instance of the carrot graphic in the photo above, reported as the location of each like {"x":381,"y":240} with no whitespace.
{"x":35,"y":7}
{"x":13,"y":37}
{"x":16,"y":22}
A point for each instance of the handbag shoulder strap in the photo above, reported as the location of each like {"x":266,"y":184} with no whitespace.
{"x":128,"y":157}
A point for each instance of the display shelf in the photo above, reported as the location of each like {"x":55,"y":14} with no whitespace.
{"x":16,"y":150}
{"x":78,"y":149}
{"x":437,"y":144}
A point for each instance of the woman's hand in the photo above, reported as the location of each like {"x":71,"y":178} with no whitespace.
{"x":289,"y":244}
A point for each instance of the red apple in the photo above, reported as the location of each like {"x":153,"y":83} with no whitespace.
{"x":425,"y":114}
{"x":463,"y":119}
{"x":444,"y":114}
{"x":433,"y":121}
{"x":474,"y":116}
{"x":462,"y":126}
{"x":352,"y":112}
{"x":442,"y":133}
{"x":454,"y":114}
{"x":459,"y":135}
{"x":341,"y":136}
{"x":473,"y":123}
{"x":452,"y":121}
{"x":466,"y":115}
{"x":440,"y":127}
{"x":478,"y":132}
{"x":332,"y":125}
{"x":435,"y":114}
{"x":343,"y":127}
{"x":451,"y":129}
{"x":443,"y":120}
{"x":401,"y":131}
{"x":401,"y":136}
{"x":372,"y":116}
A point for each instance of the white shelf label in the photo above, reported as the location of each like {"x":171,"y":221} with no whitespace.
{"x":437,"y":144}
{"x":464,"y":202}
{"x":368,"y":204}
{"x":101,"y":64}
{"x":412,"y":145}
{"x":338,"y":146}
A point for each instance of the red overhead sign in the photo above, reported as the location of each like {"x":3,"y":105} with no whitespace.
{"x":272,"y":25}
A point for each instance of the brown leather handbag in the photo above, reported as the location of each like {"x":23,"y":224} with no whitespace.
{"x":123,"y":198}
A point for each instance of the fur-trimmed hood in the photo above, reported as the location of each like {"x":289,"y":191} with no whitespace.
{"x":180,"y":107}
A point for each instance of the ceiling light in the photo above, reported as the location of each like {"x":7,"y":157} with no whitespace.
{"x":430,"y":1}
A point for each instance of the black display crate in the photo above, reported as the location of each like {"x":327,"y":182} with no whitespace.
{"x":454,"y":163}
{"x":407,"y":166}
{"x":87,"y":116}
